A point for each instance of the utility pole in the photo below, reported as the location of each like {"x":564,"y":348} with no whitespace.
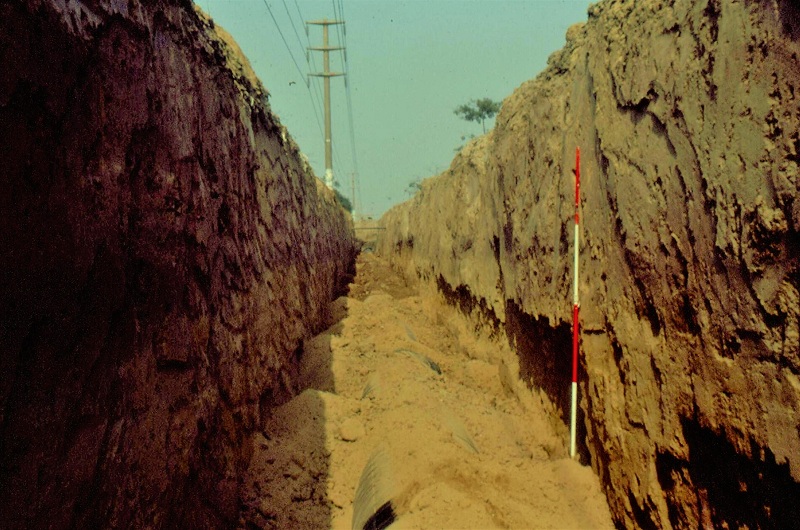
{"x":326,"y":74}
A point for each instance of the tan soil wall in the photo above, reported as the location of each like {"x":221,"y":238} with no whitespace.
{"x":687,"y":114}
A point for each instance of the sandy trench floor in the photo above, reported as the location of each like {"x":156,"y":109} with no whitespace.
{"x":403,"y":386}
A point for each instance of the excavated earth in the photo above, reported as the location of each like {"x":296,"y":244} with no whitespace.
{"x":176,"y":350}
{"x":687,"y":115}
{"x":407,"y":403}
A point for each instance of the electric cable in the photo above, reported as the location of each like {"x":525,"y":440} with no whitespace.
{"x":314,"y":103}
{"x":285,"y":43}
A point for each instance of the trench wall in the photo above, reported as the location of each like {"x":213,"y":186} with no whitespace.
{"x":687,"y":117}
{"x":165,"y":250}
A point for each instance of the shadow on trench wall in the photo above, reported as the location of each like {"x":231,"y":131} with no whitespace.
{"x":544,"y":351}
{"x":725,"y":489}
{"x":461,"y":297}
{"x":545,"y":361}
{"x":287,"y":480}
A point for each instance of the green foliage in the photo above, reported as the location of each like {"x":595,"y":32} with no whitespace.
{"x":478,"y":111}
{"x":344,"y":201}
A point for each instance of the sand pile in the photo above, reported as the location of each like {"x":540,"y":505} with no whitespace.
{"x":405,"y":387}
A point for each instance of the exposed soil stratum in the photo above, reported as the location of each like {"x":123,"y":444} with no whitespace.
{"x":165,"y":249}
{"x":687,"y":115}
{"x":183,"y":343}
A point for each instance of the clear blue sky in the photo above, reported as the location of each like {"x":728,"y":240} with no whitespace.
{"x":411,"y":63}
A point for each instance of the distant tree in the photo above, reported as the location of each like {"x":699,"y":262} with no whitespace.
{"x":478,"y":111}
{"x":344,"y":201}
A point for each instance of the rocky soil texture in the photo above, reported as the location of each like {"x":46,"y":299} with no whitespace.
{"x":687,"y":115}
{"x":165,"y":251}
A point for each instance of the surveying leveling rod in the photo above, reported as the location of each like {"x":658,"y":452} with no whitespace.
{"x":575,"y":305}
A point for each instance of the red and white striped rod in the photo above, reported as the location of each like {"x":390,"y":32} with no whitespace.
{"x":575,"y":306}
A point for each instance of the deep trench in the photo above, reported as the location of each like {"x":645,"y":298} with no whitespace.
{"x":729,"y":488}
{"x":544,"y":351}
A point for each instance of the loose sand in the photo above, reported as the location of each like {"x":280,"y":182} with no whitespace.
{"x":406,"y":386}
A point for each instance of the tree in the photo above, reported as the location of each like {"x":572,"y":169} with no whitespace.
{"x":344,"y":201}
{"x":478,"y":110}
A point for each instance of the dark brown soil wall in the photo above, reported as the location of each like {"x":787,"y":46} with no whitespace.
{"x":164,"y":250}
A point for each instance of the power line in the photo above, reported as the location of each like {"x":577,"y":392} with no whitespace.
{"x":300,"y":14}
{"x":317,"y":89}
{"x":291,"y":21}
{"x":344,"y":28}
{"x":313,"y":60}
{"x":352,"y":134}
{"x":285,"y":43}
{"x":314,"y":104}
{"x":343,"y":44}
{"x":318,"y":102}
{"x":337,"y":14}
{"x":351,"y":122}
